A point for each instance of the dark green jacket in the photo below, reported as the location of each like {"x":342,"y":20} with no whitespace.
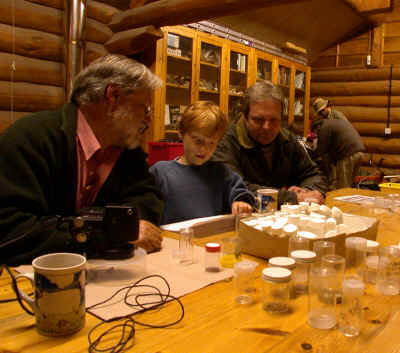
{"x":38,"y":179}
{"x":291,"y":163}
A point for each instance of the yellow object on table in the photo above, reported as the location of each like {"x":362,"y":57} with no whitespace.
{"x":390,"y":187}
{"x":229,"y":260}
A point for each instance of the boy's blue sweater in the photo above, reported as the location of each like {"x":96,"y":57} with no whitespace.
{"x":198,"y":191}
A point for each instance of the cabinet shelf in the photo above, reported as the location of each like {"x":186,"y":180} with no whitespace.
{"x":284,"y":86}
{"x":238,"y":72}
{"x":204,"y":90}
{"x":300,"y":90}
{"x":173,"y":85}
{"x":177,"y":57}
{"x":236,"y":94}
{"x":205,"y":63}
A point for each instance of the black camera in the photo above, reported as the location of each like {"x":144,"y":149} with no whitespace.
{"x":107,"y":232}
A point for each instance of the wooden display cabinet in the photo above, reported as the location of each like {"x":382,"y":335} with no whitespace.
{"x":238,"y":79}
{"x":211,"y":69}
{"x":200,"y":66}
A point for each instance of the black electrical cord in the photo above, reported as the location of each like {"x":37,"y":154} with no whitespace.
{"x":128,"y":323}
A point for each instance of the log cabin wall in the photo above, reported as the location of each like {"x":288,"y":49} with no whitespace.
{"x":32,"y":37}
{"x":361,"y":91}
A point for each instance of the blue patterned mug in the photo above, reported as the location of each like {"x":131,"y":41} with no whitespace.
{"x":59,"y":284}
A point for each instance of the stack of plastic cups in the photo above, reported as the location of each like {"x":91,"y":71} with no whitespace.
{"x":356,"y":248}
{"x":371,"y":262}
{"x":388,"y":276}
{"x":351,"y":308}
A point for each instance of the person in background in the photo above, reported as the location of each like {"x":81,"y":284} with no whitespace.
{"x":324,"y":109}
{"x":340,"y":148}
{"x":85,"y":154}
{"x":266,"y":155}
{"x":192,"y":185}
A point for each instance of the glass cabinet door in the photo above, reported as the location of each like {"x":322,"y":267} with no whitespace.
{"x":210,"y":72}
{"x":284,"y":83}
{"x":264,"y":69}
{"x":238,"y":72}
{"x":178,"y":79}
{"x":299,"y":102}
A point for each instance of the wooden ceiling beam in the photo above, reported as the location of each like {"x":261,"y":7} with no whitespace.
{"x":371,"y":5}
{"x":174,"y":12}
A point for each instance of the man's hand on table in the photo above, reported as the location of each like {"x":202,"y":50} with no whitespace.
{"x":307,"y":195}
{"x":150,"y":237}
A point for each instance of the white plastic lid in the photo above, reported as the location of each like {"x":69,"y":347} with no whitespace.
{"x":244,"y":267}
{"x":303,"y":256}
{"x":276,"y":274}
{"x":281,"y":261}
{"x":372,"y":245}
{"x":353,"y":286}
{"x":307,"y":235}
{"x":290,"y":228}
{"x":356,"y":242}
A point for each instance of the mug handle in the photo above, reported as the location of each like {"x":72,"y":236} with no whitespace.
{"x":22,"y":296}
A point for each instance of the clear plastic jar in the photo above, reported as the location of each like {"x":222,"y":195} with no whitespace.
{"x":211,"y":257}
{"x":276,"y":282}
{"x":301,"y":274}
{"x":371,"y":262}
{"x":244,"y":280}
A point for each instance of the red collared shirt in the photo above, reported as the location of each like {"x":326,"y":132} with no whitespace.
{"x":94,"y":164}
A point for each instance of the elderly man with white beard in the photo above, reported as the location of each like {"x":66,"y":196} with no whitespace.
{"x":86,"y":154}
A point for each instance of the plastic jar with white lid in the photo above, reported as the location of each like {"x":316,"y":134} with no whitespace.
{"x":276,"y":281}
{"x":301,"y":274}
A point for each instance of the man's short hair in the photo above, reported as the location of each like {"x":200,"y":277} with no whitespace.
{"x":204,"y":117}
{"x":90,"y":84}
{"x":260,"y":91}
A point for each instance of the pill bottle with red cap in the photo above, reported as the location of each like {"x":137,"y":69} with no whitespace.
{"x":211,"y":257}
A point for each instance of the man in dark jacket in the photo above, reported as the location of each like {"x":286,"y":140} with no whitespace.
{"x":266,"y":155}
{"x":339,"y":146}
{"x":85,"y":154}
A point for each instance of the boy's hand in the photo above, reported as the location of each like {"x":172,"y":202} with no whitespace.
{"x":239,"y":207}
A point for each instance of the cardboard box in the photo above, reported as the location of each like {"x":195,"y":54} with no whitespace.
{"x":261,"y":244}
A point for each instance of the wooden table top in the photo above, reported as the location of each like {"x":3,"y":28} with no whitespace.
{"x":214,"y":323}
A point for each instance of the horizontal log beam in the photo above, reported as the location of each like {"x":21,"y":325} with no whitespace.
{"x":93,"y":51}
{"x":32,"y":43}
{"x":367,"y":170}
{"x":48,"y":20}
{"x":100,"y":12}
{"x":29,"y":15}
{"x":385,"y":160}
{"x":377,"y":129}
{"x":369,"y":114}
{"x":175,"y":12}
{"x":119,"y":4}
{"x":57,"y":4}
{"x":7,"y":118}
{"x":363,"y":88}
{"x":381,"y":144}
{"x":31,"y":70}
{"x":350,"y":75}
{"x":30,"y":97}
{"x":365,"y":101}
{"x":95,"y":9}
{"x":134,"y":41}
